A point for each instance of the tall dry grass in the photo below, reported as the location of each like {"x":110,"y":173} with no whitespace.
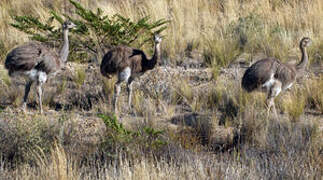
{"x":220,"y":29}
{"x":249,"y":163}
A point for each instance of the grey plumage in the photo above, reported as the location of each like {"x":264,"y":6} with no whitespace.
{"x":127,"y":63}
{"x":272,"y":76}
{"x":260,"y":72}
{"x":32,"y":55}
{"x":36,"y":61}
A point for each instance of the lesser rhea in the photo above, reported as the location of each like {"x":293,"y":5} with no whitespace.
{"x":272,"y":76}
{"x":36,"y":62}
{"x":128,"y":63}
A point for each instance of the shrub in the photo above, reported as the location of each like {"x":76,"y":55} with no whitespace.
{"x":133,"y":143}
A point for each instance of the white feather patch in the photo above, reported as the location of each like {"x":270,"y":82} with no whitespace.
{"x":269,"y":83}
{"x":32,"y":74}
{"x":125,"y":74}
{"x":42,"y":77}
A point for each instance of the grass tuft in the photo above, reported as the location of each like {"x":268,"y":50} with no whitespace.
{"x":80,"y":76}
{"x":314,"y":95}
{"x":294,"y":103}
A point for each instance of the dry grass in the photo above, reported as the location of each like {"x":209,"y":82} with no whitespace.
{"x":139,"y":101}
{"x":79,"y":77}
{"x":294,"y":103}
{"x":314,"y":93}
{"x":222,"y":29}
{"x":247,"y":163}
{"x":229,"y":137}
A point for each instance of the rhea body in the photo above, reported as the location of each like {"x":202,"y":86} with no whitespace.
{"x":272,"y":76}
{"x":128,"y":63}
{"x":36,"y":62}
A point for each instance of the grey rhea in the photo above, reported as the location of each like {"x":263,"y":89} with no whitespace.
{"x":128,"y":63}
{"x":36,"y":62}
{"x":272,"y":76}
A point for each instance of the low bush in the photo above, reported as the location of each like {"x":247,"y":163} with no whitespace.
{"x":133,"y":143}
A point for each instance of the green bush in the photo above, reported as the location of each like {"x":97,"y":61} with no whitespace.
{"x":131,"y":142}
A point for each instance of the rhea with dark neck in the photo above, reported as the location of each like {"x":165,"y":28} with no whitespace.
{"x":149,"y":64}
{"x":128,"y":63}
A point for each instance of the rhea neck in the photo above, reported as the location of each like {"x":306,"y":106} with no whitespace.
{"x":65,"y":49}
{"x":150,"y":64}
{"x":301,"y":66}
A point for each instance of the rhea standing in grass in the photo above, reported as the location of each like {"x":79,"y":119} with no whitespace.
{"x":37,"y":62}
{"x":272,"y":76}
{"x":128,"y":63}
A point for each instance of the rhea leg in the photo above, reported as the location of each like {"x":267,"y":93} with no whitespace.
{"x":117,"y":89}
{"x":40,"y":93}
{"x":42,"y":78}
{"x":273,"y":92}
{"x":27,"y":90}
{"x":271,"y":105}
{"x":129,"y":89}
{"x":123,"y":75}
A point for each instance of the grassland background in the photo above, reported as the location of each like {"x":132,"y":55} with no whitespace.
{"x":224,"y":29}
{"x":216,"y":32}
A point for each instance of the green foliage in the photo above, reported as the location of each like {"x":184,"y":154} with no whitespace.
{"x":119,"y":138}
{"x":118,"y":132}
{"x":43,"y":32}
{"x":47,"y":33}
{"x":95,"y":32}
{"x":110,"y":31}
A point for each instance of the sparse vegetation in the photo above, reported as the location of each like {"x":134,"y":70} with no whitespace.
{"x":108,"y":87}
{"x":139,"y":102}
{"x":186,"y":123}
{"x":294,"y":104}
{"x":80,"y":77}
{"x":314,"y":95}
